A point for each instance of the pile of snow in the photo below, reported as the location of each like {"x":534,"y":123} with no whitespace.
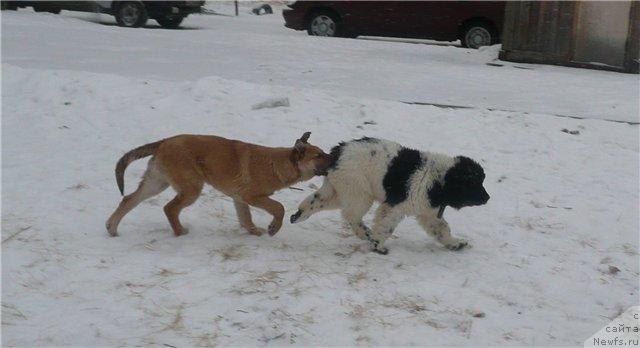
{"x":272,"y":103}
{"x":562,"y":215}
{"x":489,"y":53}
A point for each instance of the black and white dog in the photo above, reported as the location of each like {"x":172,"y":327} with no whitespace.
{"x":404,"y":181}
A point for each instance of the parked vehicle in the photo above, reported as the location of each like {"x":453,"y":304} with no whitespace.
{"x":474,"y":23}
{"x":168,"y":14}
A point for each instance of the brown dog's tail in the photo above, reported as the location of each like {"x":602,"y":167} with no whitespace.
{"x":135,"y":154}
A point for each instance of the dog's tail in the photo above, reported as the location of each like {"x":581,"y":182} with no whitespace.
{"x":135,"y":154}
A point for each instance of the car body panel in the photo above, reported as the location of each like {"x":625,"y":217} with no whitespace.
{"x":440,"y":20}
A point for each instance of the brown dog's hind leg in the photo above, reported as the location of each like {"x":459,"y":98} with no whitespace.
{"x":153,"y":182}
{"x":187,"y":195}
{"x":272,"y":207}
{"x":244,"y":216}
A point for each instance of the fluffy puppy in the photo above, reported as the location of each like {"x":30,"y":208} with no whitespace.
{"x":248,"y":173}
{"x":404,"y":181}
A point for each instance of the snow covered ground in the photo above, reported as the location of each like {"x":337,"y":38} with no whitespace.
{"x":260,"y":49}
{"x":554,"y":253}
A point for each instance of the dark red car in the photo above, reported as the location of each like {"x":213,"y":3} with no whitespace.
{"x":474,"y":23}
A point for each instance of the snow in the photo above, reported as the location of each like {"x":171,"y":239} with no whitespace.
{"x":261,"y":50}
{"x":77,"y":95}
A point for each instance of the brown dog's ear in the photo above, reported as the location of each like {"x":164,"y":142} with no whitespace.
{"x":299,"y":147}
{"x":305,"y":137}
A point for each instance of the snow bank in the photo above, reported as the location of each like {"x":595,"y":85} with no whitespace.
{"x":563,"y":209}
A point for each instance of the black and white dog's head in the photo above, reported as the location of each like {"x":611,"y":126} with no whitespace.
{"x":461,"y":187}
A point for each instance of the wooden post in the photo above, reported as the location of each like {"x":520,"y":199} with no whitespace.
{"x":236,"y":3}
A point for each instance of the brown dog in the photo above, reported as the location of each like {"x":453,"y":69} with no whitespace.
{"x":247,"y":173}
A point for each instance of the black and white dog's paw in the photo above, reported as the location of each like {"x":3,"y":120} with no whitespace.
{"x":296,"y":217}
{"x":362,"y":236}
{"x":363,"y":232}
{"x":381,"y":250}
{"x":377,"y":248}
{"x":457,"y":244}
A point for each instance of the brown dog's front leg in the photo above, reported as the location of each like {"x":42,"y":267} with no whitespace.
{"x":272,"y":207}
{"x":244,"y":216}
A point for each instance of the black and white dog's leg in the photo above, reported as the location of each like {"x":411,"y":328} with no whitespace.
{"x":439,"y":229}
{"x":323,"y":199}
{"x":352,"y":211}
{"x":384,"y":223}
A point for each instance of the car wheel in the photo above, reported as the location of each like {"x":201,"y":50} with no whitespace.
{"x":131,"y":14}
{"x":476,"y":35}
{"x":170,"y":22}
{"x":323,"y":24}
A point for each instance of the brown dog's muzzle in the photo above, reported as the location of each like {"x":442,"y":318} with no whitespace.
{"x":323,"y":165}
{"x":322,"y":172}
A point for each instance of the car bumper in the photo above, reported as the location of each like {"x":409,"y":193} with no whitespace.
{"x":293,"y":19}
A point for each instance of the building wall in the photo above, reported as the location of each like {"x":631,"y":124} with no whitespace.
{"x":601,"y":32}
{"x":576,"y":33}
{"x":541,"y":29}
{"x":632,"y":57}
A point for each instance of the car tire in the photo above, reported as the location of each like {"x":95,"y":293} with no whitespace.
{"x":131,"y":14}
{"x":170,"y":22}
{"x":325,"y":23}
{"x":478,"y":34}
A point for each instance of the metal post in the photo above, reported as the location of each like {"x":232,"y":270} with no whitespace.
{"x":236,"y":3}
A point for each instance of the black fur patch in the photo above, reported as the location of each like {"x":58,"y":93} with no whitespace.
{"x":436,"y":195}
{"x":336,"y":151}
{"x":396,"y":180}
{"x":366,"y":140}
{"x":335,"y":154}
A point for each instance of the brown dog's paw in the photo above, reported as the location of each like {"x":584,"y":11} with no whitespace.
{"x":182,"y":232}
{"x":256,"y":231}
{"x":112,"y":231}
{"x":273,"y":229}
